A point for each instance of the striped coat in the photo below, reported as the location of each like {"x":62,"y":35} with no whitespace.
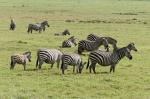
{"x":73,"y":60}
{"x":70,"y":42}
{"x":107,"y":58}
{"x":91,"y":45}
{"x":112,"y":41}
{"x":20,"y":59}
{"x":49,"y":56}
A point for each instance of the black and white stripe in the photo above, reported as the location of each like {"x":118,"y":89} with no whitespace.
{"x":12,"y":25}
{"x":107,"y":58}
{"x":20,"y":59}
{"x":49,"y":56}
{"x":112,"y":41}
{"x":73,"y":60}
{"x":70,"y":42}
{"x":91,"y":45}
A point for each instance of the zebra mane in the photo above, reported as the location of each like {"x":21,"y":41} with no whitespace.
{"x":28,"y":52}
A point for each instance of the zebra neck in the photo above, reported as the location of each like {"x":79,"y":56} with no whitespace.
{"x":120,"y":53}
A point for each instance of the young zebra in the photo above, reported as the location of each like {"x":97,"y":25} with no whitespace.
{"x":74,"y":60}
{"x":107,"y":58}
{"x":65,"y":32}
{"x":70,"y":42}
{"x":20,"y":59}
{"x":49,"y":56}
{"x":12,"y":25}
{"x":112,"y":41}
{"x":92,"y":45}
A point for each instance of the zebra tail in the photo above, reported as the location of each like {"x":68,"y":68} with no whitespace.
{"x":88,"y":64}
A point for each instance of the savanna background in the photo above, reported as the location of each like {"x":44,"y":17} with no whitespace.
{"x":125,"y":20}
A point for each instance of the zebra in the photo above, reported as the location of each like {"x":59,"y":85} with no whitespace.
{"x":91,"y":45}
{"x":65,"y":32}
{"x":107,"y":58}
{"x":20,"y":59}
{"x":70,"y":42}
{"x":12,"y":25}
{"x":112,"y":41}
{"x":38,"y":26}
{"x":72,"y":59}
{"x":49,"y":56}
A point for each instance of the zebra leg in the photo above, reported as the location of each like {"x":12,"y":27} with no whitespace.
{"x":40,"y":64}
{"x":52,"y":65}
{"x":93,"y":67}
{"x":63,"y":67}
{"x":12,"y":65}
{"x":43,"y":28}
{"x":73,"y":69}
{"x":31,"y":31}
{"x":58,"y":62}
{"x":24,"y":65}
{"x":112,"y":68}
{"x":40,"y":30}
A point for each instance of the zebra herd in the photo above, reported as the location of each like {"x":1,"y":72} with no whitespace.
{"x":91,"y":44}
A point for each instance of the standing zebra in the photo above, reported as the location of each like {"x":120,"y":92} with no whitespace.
{"x":112,"y":41}
{"x":12,"y":25}
{"x":107,"y":58}
{"x":49,"y":56}
{"x":74,"y":60}
{"x":38,"y":26}
{"x":65,"y":32}
{"x":20,"y":59}
{"x":70,"y":42}
{"x":91,"y":45}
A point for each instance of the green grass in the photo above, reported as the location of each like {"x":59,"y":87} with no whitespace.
{"x":126,"y":20}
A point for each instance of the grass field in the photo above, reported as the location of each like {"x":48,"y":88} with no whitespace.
{"x":126,"y":20}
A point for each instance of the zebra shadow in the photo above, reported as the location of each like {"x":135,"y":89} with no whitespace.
{"x":98,"y":73}
{"x":30,"y":69}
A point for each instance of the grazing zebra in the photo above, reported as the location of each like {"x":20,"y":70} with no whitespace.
{"x":73,"y":60}
{"x":112,"y":41}
{"x":107,"y":58}
{"x":91,"y":45}
{"x":12,"y":25}
{"x":49,"y":56}
{"x":65,"y":32}
{"x":20,"y":59}
{"x":70,"y":42}
{"x":38,"y":26}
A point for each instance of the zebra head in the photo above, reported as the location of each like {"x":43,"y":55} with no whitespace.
{"x":28,"y":55}
{"x":73,"y":40}
{"x":81,"y":66}
{"x":131,"y":46}
{"x":45,"y":23}
{"x":128,"y":54}
{"x":105,"y":43}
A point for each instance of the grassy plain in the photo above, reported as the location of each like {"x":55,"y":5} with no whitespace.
{"x":126,"y":20}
